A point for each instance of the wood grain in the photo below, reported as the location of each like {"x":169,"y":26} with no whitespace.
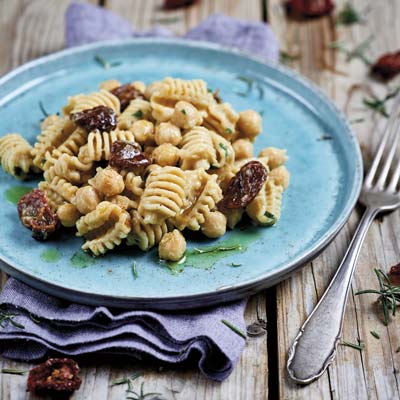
{"x":371,"y":373}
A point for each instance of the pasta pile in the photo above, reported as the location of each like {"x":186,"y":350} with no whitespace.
{"x":191,"y":145}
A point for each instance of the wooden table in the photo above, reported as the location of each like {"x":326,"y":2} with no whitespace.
{"x":30,"y":29}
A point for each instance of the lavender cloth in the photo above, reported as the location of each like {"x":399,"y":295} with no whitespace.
{"x":172,"y":337}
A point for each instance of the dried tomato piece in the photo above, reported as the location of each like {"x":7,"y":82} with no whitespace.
{"x":394,"y":275}
{"x":127,"y":155}
{"x":55,"y":377}
{"x":36,"y":214}
{"x":101,"y":117}
{"x":309,"y":8}
{"x":126,"y":93}
{"x":245,"y":185}
{"x":172,"y":4}
{"x":387,"y":66}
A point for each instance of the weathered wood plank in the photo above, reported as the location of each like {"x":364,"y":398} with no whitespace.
{"x":353,"y":375}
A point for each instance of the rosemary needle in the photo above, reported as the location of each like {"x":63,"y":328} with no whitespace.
{"x":352,"y":345}
{"x":43,"y":110}
{"x":216,"y":249}
{"x":375,"y":334}
{"x":13,"y":371}
{"x":234,"y":328}
{"x":134,"y":270}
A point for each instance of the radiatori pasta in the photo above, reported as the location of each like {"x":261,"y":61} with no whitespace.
{"x":144,"y":176}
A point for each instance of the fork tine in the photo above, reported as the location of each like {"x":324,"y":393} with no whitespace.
{"x":388,"y":130}
{"x":393,"y":147}
{"x":395,"y":178}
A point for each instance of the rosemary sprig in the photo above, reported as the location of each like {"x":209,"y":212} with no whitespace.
{"x":134,"y":270}
{"x":379,"y":105}
{"x":13,"y":371}
{"x":105,"y":63}
{"x":375,"y":334}
{"x":389,"y":295}
{"x":348,"y":15}
{"x":216,"y":249}
{"x":234,"y":328}
{"x":126,"y":380}
{"x":353,"y":345}
{"x":9,"y":317}
{"x":358,"y":51}
{"x":43,"y":110}
{"x":142,"y":395}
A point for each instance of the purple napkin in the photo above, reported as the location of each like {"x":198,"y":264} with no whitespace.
{"x":51,"y":326}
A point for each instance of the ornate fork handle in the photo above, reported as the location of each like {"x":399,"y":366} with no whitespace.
{"x":314,"y":348}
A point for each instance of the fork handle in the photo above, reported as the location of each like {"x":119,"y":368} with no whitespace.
{"x":314,"y":348}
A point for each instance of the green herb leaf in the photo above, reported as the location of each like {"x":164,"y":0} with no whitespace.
{"x":138,"y":114}
{"x":234,"y":328}
{"x":34,"y":318}
{"x":375,"y":334}
{"x":223,"y":147}
{"x":183,"y":112}
{"x":235,"y":265}
{"x":352,"y":345}
{"x":13,"y":371}
{"x":228,"y":130}
{"x":324,"y":137}
{"x":348,"y":15}
{"x":379,"y":105}
{"x":43,"y":110}
{"x":106,"y":64}
{"x":126,"y":379}
{"x":286,"y":58}
{"x":216,"y":249}
{"x":271,"y":217}
{"x":357,"y":52}
{"x":134,"y":270}
{"x":209,"y":90}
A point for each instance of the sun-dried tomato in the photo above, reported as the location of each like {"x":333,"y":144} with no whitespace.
{"x":387,"y":66}
{"x":126,"y":93}
{"x":127,"y":155}
{"x":309,"y":8}
{"x":245,"y":185}
{"x":101,"y":117}
{"x":394,"y":275}
{"x":172,"y":4}
{"x":36,"y":214}
{"x":55,"y":377}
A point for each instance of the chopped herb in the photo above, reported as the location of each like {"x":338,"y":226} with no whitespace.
{"x":357,"y":120}
{"x":34,"y":319}
{"x":234,"y":328}
{"x":260,"y":92}
{"x":358,"y":52}
{"x":183,"y":111}
{"x":126,"y":379}
{"x":8,"y":317}
{"x":348,"y":15}
{"x":216,"y":249}
{"x":142,"y":395}
{"x":166,"y":20}
{"x":286,"y":58}
{"x":228,"y":130}
{"x":106,"y":64}
{"x":389,"y":294}
{"x":214,"y":166}
{"x":134,"y":271}
{"x":43,"y":110}
{"x":13,"y":371}
{"x":353,"y":345}
{"x":209,"y":90}
{"x":235,"y":265}
{"x":138,"y":114}
{"x":379,"y":105}
{"x":324,"y":137}
{"x":375,"y":334}
{"x":271,"y":217}
{"x":223,"y":147}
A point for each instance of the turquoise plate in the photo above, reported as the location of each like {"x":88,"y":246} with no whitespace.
{"x":325,"y":165}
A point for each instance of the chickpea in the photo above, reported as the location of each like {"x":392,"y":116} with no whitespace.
{"x":108,"y":181}
{"x":68,"y":214}
{"x":214,"y":225}
{"x":166,"y":154}
{"x":172,"y":246}
{"x":110,"y":84}
{"x":243,"y":149}
{"x":87,"y":198}
{"x":275,"y":156}
{"x":186,"y":115}
{"x":249,"y":124}
{"x":280,"y":176}
{"x":168,"y":133}
{"x":143,"y":131}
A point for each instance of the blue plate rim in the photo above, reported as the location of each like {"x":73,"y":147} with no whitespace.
{"x":226,"y":293}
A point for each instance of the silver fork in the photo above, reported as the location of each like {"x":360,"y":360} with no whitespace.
{"x":314,"y":348}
